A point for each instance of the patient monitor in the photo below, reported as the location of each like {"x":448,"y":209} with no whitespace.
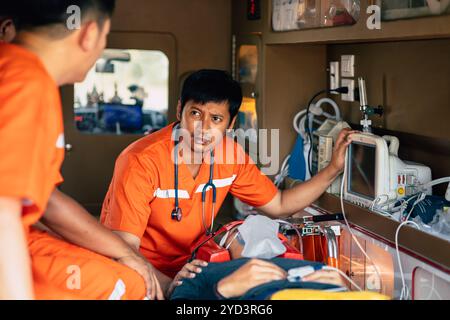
{"x":374,"y":172}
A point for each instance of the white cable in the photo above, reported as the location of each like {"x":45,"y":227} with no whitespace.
{"x":419,"y":199}
{"x":234,"y":238}
{"x":315,"y":110}
{"x":438,"y":181}
{"x":284,"y":172}
{"x":296,"y":120}
{"x":377,"y":200}
{"x":344,"y":178}
{"x":435,"y":182}
{"x":404,"y":294}
{"x":343,"y":275}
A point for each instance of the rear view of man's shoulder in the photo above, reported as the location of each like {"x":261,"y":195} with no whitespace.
{"x":17,"y":66}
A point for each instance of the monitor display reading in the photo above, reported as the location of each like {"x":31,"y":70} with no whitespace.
{"x":362,"y":170}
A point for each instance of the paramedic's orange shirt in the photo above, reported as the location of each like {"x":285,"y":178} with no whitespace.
{"x":31,"y":131}
{"x":141,"y":196}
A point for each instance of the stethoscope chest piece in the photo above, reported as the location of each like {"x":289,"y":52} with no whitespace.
{"x":176,"y":214}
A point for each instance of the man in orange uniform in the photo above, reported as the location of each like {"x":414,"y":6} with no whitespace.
{"x":33,"y":264}
{"x":149,"y":191}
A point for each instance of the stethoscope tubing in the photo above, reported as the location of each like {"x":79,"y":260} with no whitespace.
{"x":210,"y":184}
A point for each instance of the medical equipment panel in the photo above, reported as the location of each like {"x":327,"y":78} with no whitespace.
{"x":327,"y":135}
{"x":376,"y":175}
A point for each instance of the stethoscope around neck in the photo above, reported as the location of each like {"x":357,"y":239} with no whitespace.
{"x":177,"y":213}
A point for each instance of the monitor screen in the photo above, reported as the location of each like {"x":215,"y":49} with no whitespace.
{"x":361,"y":179}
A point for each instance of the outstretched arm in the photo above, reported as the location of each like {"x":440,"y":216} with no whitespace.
{"x":290,"y":201}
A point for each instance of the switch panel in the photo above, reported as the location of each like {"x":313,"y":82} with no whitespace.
{"x":348,"y":66}
{"x":350,"y":96}
{"x":334,"y":75}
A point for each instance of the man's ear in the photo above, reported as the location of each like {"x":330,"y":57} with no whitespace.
{"x":88,"y":36}
{"x":179,"y":111}
{"x":7,"y":30}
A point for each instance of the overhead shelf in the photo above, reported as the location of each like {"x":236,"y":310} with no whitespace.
{"x":433,"y":27}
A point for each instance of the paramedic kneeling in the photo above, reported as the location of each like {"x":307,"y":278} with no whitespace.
{"x":168,"y":187}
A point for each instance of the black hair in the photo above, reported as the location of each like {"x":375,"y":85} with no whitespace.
{"x":31,"y":14}
{"x":216,"y":86}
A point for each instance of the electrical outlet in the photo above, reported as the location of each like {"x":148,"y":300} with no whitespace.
{"x":350,"y":96}
{"x":334,"y":75}
{"x":348,"y":66}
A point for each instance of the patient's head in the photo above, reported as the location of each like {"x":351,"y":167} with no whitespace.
{"x":256,"y":237}
{"x":233,"y":241}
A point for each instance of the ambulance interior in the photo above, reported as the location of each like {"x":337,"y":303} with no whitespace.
{"x":393,"y":56}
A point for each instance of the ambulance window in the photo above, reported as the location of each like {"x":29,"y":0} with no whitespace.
{"x":126,"y":92}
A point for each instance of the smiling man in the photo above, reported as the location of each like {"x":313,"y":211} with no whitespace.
{"x":160,"y":199}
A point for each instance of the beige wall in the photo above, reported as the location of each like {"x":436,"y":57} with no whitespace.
{"x":410,"y":78}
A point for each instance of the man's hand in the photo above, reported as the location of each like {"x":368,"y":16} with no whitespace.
{"x":189,"y":271}
{"x":327,"y":277}
{"x":337,"y":162}
{"x":147,"y":271}
{"x":250,"y":275}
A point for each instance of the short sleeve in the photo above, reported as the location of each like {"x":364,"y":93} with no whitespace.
{"x":251,"y":185}
{"x":25,"y":150}
{"x":127,"y":204}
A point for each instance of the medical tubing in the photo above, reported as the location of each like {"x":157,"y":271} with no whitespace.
{"x":284,"y":171}
{"x":300,"y":243}
{"x":332,"y":246}
{"x":404,"y":294}
{"x":419,"y":200}
{"x":214,"y":196}
{"x":309,"y":130}
{"x":176,"y":175}
{"x":435,"y":182}
{"x":234,"y":238}
{"x":344,"y":178}
{"x":337,"y":112}
{"x":295,"y":123}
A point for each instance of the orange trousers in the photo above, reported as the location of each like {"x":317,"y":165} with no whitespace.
{"x":63,"y":271}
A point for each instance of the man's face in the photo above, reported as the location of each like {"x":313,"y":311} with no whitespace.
{"x":205,"y":123}
{"x":7,"y":30}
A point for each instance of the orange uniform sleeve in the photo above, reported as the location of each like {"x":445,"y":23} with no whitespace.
{"x":24,"y":147}
{"x":251,"y":185}
{"x":132,"y":189}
